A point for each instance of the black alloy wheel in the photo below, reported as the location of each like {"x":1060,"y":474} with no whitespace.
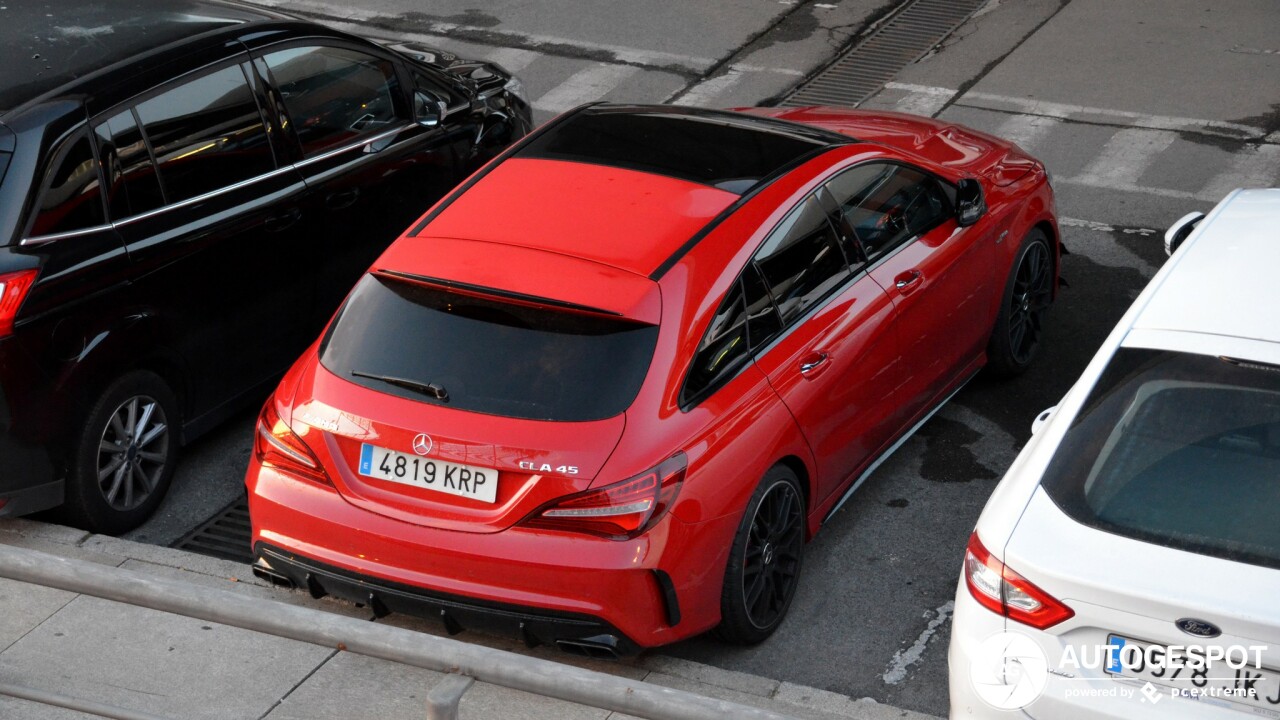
{"x":764,"y":564}
{"x":1016,"y":339}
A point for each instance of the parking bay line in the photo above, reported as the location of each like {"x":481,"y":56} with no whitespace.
{"x":904,"y":659}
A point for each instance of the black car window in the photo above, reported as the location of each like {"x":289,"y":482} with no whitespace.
{"x":888,"y":205}
{"x":132,"y":183}
{"x":724,"y":347}
{"x":335,"y":95}
{"x":71,"y":194}
{"x":207,"y":134}
{"x":487,"y":355}
{"x":1178,"y":450}
{"x":801,"y":261}
{"x":763,"y":322}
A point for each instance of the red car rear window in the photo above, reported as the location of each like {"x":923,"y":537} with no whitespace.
{"x":487,"y":355}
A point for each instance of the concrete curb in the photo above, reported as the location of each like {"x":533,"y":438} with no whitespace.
{"x":782,"y":697}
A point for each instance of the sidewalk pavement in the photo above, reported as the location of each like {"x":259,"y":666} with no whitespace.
{"x":147,"y":661}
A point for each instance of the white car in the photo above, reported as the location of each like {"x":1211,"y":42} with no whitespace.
{"x":1128,"y":565}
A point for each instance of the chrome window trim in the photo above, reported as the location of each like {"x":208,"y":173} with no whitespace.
{"x":42,"y":239}
{"x":367,"y":140}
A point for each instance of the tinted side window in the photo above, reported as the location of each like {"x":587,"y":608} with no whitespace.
{"x":801,"y":260}
{"x":762,"y":317}
{"x":132,"y":183}
{"x":71,"y":194}
{"x":207,"y":134}
{"x":723,"y":348}
{"x":888,"y":205}
{"x":335,"y":95}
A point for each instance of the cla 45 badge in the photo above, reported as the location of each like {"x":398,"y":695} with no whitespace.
{"x":547,"y":467}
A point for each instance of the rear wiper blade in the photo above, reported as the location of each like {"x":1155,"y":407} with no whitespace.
{"x":432,"y":389}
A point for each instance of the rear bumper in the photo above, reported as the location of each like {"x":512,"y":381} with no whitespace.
{"x":29,"y":478}
{"x":542,"y":586}
{"x":575,"y":633}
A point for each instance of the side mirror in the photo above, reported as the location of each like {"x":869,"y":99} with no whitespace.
{"x":1042,"y":419}
{"x":1179,"y":231}
{"x":970,"y":204}
{"x":428,"y":110}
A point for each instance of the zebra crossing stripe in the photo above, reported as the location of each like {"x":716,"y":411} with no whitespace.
{"x":513,"y":60}
{"x":1125,"y":157}
{"x":1253,"y":166}
{"x":1028,"y":131}
{"x":584,"y":86}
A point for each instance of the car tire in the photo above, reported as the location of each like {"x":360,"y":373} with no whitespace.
{"x":1015,"y":339}
{"x":124,"y":456}
{"x":765,"y":560}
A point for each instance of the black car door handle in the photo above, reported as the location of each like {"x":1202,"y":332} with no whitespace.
{"x":344,"y":199}
{"x":282,"y":221}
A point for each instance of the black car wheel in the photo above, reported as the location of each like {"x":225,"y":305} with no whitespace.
{"x":764,"y":563}
{"x":1015,"y":340}
{"x":124,"y":458}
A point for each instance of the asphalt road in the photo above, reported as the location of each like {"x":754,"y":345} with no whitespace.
{"x":1143,"y":110}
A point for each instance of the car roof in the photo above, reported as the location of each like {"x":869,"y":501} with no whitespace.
{"x":630,"y":186}
{"x":1220,"y":285}
{"x":47,"y":44}
{"x":626,"y":219}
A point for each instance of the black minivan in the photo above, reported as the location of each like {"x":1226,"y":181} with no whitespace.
{"x":187,"y":191}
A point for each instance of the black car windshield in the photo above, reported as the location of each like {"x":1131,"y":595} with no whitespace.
{"x":1180,"y":450}
{"x":487,"y":355}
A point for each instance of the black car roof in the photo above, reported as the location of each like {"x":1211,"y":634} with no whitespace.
{"x":46,"y":44}
{"x":728,"y":150}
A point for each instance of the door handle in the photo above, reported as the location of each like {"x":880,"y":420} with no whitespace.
{"x":282,"y":221}
{"x":907,"y":280}
{"x":812,"y":362}
{"x":343,"y":199}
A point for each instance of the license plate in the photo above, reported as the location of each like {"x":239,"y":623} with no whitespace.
{"x":443,"y":476}
{"x":1258,"y":689}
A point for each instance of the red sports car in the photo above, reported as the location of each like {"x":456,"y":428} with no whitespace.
{"x":603,"y":393}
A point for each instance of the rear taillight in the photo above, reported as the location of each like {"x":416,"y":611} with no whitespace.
{"x":1001,"y":590}
{"x":621,"y":510}
{"x":277,"y":445}
{"x":13,"y":290}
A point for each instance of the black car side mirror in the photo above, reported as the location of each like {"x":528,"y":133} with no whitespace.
{"x":970,"y":204}
{"x":428,"y":110}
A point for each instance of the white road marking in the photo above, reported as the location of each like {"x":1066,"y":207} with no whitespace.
{"x":1099,"y":245}
{"x":621,"y":53}
{"x":703,"y":94}
{"x":584,"y":86}
{"x":1125,"y":157}
{"x":1253,"y":166}
{"x":903,"y":659}
{"x":1104,"y":227}
{"x":747,"y":67}
{"x":513,"y":59}
{"x":1136,"y":119}
{"x":921,"y":99}
{"x":920,"y":89}
{"x":1027,"y":130}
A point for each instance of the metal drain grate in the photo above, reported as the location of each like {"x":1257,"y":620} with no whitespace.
{"x":904,"y":38}
{"x":225,"y":535}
